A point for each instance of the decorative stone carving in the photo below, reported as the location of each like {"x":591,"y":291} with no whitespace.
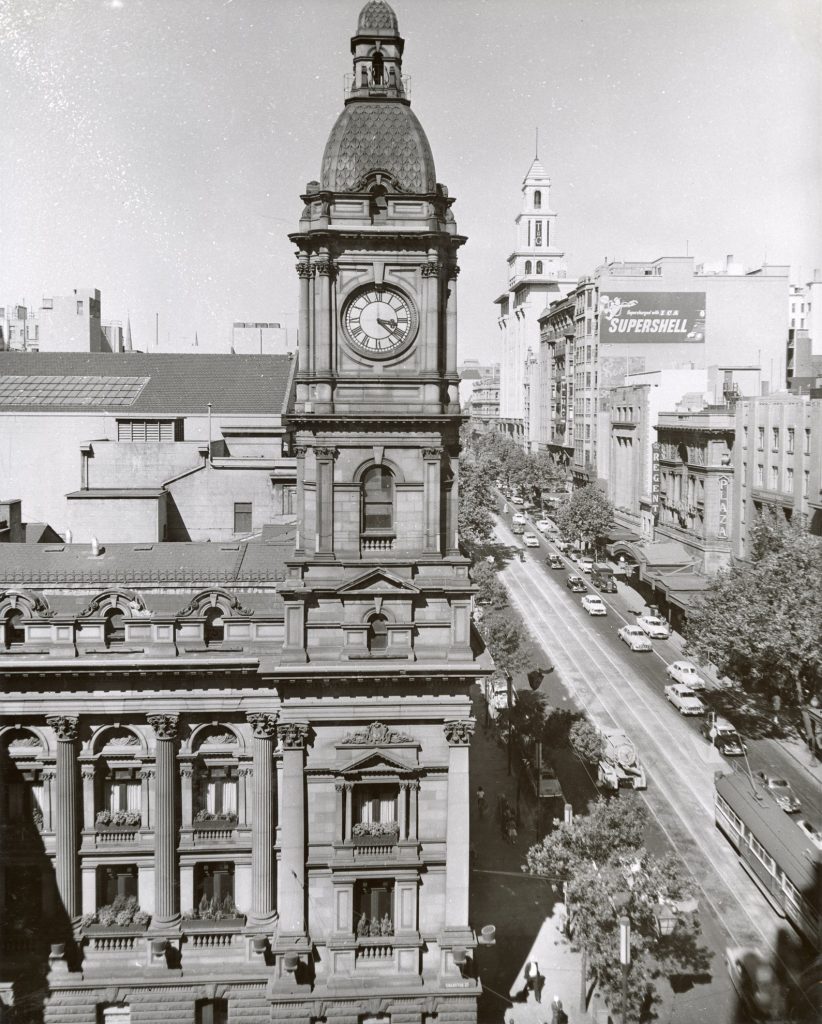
{"x":126,"y":600}
{"x":146,"y":773}
{"x":86,"y":772}
{"x":323,"y":268}
{"x":185,"y":770}
{"x":292,"y":734}
{"x":299,"y":451}
{"x":303,"y":270}
{"x":459,"y":732}
{"x":211,"y":599}
{"x":431,"y":270}
{"x":432,"y":453}
{"x":453,"y":272}
{"x":164,"y":726}
{"x":65,"y":728}
{"x":377,"y":734}
{"x":246,"y":772}
{"x":325,"y":453}
{"x":263,"y":726}
{"x":48,"y":774}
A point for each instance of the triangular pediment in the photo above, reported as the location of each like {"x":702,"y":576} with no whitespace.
{"x":376,"y":762}
{"x":378,"y":581}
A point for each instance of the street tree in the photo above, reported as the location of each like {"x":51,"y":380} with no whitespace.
{"x":476,"y":504}
{"x":490,"y":591}
{"x":505,"y":639}
{"x":587,"y":515}
{"x":759,"y":623}
{"x":606,"y":874}
{"x":586,"y":741}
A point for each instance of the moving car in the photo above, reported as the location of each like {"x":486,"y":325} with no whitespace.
{"x":560,"y":544}
{"x":603,"y":578}
{"x":635,"y":638}
{"x":576,"y":584}
{"x":554,"y":562}
{"x":780,"y":789}
{"x":518,"y":528}
{"x":586,"y":565}
{"x":685,"y":672}
{"x":594,"y":605}
{"x":722,"y":735}
{"x":530,"y":540}
{"x":812,"y":832}
{"x":518,"y":517}
{"x":654,"y":627}
{"x":516,"y":500}
{"x":545,"y":526}
{"x":684,"y":699}
{"x":753,"y":978}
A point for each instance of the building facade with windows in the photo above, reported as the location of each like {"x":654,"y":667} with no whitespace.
{"x":537,"y":274}
{"x":778,"y":462}
{"x":235,"y":778}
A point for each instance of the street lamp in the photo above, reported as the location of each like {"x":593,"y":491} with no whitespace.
{"x":666,"y":920}
{"x":625,"y":960}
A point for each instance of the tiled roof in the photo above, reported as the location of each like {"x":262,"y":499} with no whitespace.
{"x":171,"y":384}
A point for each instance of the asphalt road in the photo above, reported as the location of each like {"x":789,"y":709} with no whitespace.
{"x":617,"y":686}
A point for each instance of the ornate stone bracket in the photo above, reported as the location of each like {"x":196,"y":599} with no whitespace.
{"x":292,"y":735}
{"x":263,"y":726}
{"x":458,"y":733}
{"x":164,"y":726}
{"x":377,"y":734}
{"x":65,"y":728}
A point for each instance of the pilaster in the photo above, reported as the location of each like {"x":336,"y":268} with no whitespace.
{"x":432,"y":461}
{"x":292,"y":888}
{"x":66,"y":833}
{"x":457,"y":843}
{"x":263,"y":911}
{"x":166,"y":889}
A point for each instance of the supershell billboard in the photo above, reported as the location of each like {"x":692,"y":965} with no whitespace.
{"x":652,"y":316}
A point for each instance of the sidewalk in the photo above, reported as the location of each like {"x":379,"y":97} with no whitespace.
{"x":525,"y":910}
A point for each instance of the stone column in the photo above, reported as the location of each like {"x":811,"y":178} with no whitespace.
{"x":339,"y":812}
{"x":412,"y":811}
{"x":323,"y":268}
{"x":67,"y":867}
{"x":451,"y":321}
{"x":324,"y":469}
{"x":349,"y":810}
{"x":299,"y":454}
{"x":186,"y":769}
{"x":303,"y":346}
{"x":431,"y":279}
{"x":457,"y":843}
{"x":89,"y":811}
{"x":146,"y":801}
{"x":48,"y":776}
{"x":402,"y":812}
{"x":245,"y":774}
{"x":263,"y":910}
{"x":292,"y":895}
{"x":166,"y":909}
{"x":432,"y":458}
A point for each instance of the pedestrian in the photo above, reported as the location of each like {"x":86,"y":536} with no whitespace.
{"x":481,"y":804}
{"x":534,"y":980}
{"x":558,"y":1015}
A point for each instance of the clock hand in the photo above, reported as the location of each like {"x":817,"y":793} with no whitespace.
{"x":390,"y":324}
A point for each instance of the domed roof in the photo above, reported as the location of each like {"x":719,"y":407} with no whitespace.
{"x":378,"y":136}
{"x":377,"y":18}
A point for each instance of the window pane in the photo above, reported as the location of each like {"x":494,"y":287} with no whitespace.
{"x":242,"y":517}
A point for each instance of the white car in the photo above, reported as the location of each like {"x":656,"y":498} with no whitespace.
{"x":516,"y":500}
{"x":635,"y":638}
{"x":685,"y":672}
{"x":812,"y":833}
{"x":530,"y":540}
{"x":544,"y":525}
{"x":654,"y":627}
{"x":594,"y":605}
{"x":585,"y":565}
{"x":518,"y":517}
{"x":684,"y":699}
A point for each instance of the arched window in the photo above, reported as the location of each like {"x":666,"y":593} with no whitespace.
{"x":377,"y":633}
{"x":214,"y":628}
{"x":114,"y":630}
{"x":528,"y":267}
{"x":378,"y":500}
{"x":15,"y":632}
{"x":377,"y":66}
{"x":539,"y":266}
{"x":537,"y":200}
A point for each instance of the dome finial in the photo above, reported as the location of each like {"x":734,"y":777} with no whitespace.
{"x":377,"y":18}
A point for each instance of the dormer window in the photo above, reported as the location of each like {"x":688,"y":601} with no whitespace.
{"x":377,"y":634}
{"x":214,"y":628}
{"x":114,"y":629}
{"x":15,"y":631}
{"x":537,"y":200}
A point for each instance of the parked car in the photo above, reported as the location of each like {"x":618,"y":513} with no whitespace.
{"x":554,"y":562}
{"x":585,"y":565}
{"x":753,"y":978}
{"x":518,"y":517}
{"x":549,"y":786}
{"x":576,"y":584}
{"x":603,"y":578}
{"x":635,"y":638}
{"x":518,"y":528}
{"x":780,"y":789}
{"x":684,"y":699}
{"x":722,"y":734}
{"x":685,"y":672}
{"x":530,"y":540}
{"x":654,"y":627}
{"x":545,"y":526}
{"x":812,"y":832}
{"x":516,"y":500}
{"x":594,"y":605}
{"x":560,"y":544}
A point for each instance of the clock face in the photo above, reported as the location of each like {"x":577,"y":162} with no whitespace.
{"x":380,"y":320}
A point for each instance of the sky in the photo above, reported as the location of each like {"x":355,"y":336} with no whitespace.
{"x":157,"y":149}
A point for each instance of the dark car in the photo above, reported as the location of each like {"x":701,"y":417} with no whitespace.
{"x":554,"y":562}
{"x":576,"y":584}
{"x":518,"y":528}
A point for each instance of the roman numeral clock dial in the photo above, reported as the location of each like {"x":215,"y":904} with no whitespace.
{"x":379,"y":321}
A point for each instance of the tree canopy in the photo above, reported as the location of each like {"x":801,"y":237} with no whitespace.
{"x":505,"y":639}
{"x":489,"y":589}
{"x":607,"y":873}
{"x":476,"y":504}
{"x":760,"y":623}
{"x":586,"y":741}
{"x":588,"y":514}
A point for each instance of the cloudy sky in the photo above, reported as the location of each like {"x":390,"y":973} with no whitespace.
{"x":157,"y":149}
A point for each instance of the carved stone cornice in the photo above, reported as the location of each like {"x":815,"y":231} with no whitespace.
{"x":293,"y":735}
{"x":458,"y":733}
{"x":65,"y":728}
{"x":432,"y":453}
{"x":164,"y":726}
{"x":263,"y":726}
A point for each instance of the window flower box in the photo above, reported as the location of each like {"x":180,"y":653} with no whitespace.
{"x":117,"y":821}
{"x":207,"y":820}
{"x":375,"y":833}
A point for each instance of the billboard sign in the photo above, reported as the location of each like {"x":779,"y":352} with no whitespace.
{"x":655,"y":478}
{"x":652,"y":316}
{"x":722,"y":531}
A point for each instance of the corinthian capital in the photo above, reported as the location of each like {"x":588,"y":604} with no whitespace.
{"x":432,"y":453}
{"x":325,"y":453}
{"x":65,"y":728}
{"x":292,"y":734}
{"x":263,"y":726}
{"x":431,"y":270}
{"x":164,"y":726}
{"x":459,"y":732}
{"x":303,"y":270}
{"x":323,"y":268}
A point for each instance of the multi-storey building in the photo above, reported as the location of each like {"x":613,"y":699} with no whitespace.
{"x":778,"y":461}
{"x":483,"y":405}
{"x":19,"y":331}
{"x":557,"y":348}
{"x":263,"y":744}
{"x":537,"y":274}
